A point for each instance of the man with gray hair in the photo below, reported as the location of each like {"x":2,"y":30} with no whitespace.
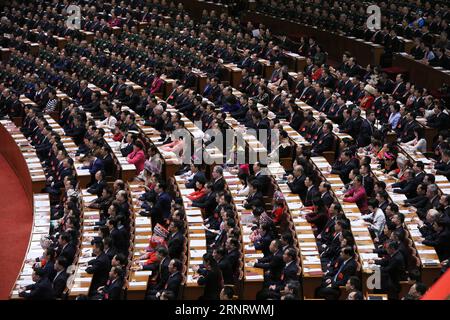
{"x":433,"y":200}
{"x":426,"y":228}
{"x":217,"y":179}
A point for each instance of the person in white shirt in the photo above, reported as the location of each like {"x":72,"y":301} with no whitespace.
{"x":376,"y":217}
{"x":243,"y":189}
{"x":418,"y":144}
{"x":109,"y":122}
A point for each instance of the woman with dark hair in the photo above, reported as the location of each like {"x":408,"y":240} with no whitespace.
{"x":137,"y":156}
{"x":418,"y":144}
{"x":210,"y":278}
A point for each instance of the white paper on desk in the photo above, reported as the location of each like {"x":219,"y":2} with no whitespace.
{"x":359,"y":229}
{"x":186,"y":192}
{"x":197,"y":243}
{"x":196,"y":262}
{"x":366,"y":247}
{"x":440,"y":178}
{"x":312,"y":270}
{"x":196,"y":227}
{"x":254,"y":277}
{"x":426,"y":251}
{"x":369,"y":256}
{"x":24,"y":282}
{"x":303,"y":228}
{"x":193,"y":213}
{"x":309,"y":253}
{"x":144,"y":272}
{"x":196,"y":253}
{"x":294,"y":206}
{"x":194,"y":219}
{"x":307,"y":262}
{"x":363,"y":238}
{"x":137,"y":283}
{"x":41,"y":204}
{"x":33,"y":254}
{"x":196,"y":235}
{"x":254,"y":255}
{"x":307,"y":244}
{"x":305,"y":236}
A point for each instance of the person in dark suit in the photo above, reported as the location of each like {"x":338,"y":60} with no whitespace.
{"x":439,"y":119}
{"x":218,"y":180}
{"x":290,"y":270}
{"x":325,"y":141}
{"x":41,"y":290}
{"x":440,"y":239}
{"x":296,"y":116}
{"x":113,"y":287}
{"x":189,"y":79}
{"x":98,"y":267}
{"x":325,"y":193}
{"x":296,"y":182}
{"x":255,"y":196}
{"x":97,"y":187}
{"x":407,"y":186}
{"x":311,"y":191}
{"x":420,"y":200}
{"x":118,"y":236}
{"x":219,"y":255}
{"x":261,"y":177}
{"x":392,"y":270}
{"x":173,"y":282}
{"x":161,"y":268}
{"x":263,"y":242}
{"x":175,"y":239}
{"x":443,"y":168}
{"x":272,"y":264}
{"x":198,"y":176}
{"x":160,"y":212}
{"x":60,"y":280}
{"x":366,"y":130}
{"x":66,"y":248}
{"x":407,"y":133}
{"x":345,"y":166}
{"x":210,"y":278}
{"x":233,"y":254}
{"x":208,"y":202}
{"x":338,"y":275}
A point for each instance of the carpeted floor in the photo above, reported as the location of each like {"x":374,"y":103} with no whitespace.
{"x":15,"y":227}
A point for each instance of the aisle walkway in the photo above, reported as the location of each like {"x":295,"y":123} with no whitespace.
{"x":15,"y":227}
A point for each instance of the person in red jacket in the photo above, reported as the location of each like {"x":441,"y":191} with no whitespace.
{"x":368,"y":99}
{"x":200,"y":193}
{"x":137,"y":156}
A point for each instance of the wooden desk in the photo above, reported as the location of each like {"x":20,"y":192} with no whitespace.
{"x":421,"y":74}
{"x":334,"y":43}
{"x":5,"y":54}
{"x":22,"y":157}
{"x":233,"y":74}
{"x":253,"y":278}
{"x":81,"y":280}
{"x":196,"y":238}
{"x":138,"y":279}
{"x":40,"y":228}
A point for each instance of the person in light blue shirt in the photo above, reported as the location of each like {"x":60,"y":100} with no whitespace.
{"x":395,"y":116}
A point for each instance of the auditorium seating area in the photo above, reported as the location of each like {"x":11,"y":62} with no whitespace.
{"x":227,"y":150}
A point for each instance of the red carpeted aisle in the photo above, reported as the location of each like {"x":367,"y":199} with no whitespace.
{"x":15,"y":227}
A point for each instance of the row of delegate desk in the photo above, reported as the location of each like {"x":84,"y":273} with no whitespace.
{"x":40,"y":228}
{"x":21,"y":155}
